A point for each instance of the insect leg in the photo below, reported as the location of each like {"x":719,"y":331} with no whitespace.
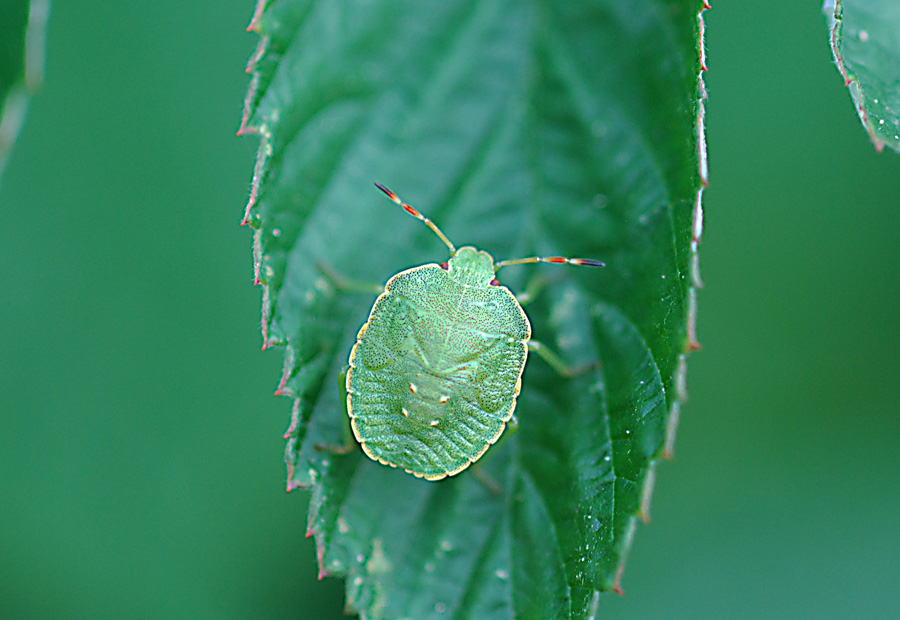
{"x":347,"y":285}
{"x":487,"y":480}
{"x":348,"y":444}
{"x":479,"y":469}
{"x":535,"y":285}
{"x":556,"y":362}
{"x":513,"y":424}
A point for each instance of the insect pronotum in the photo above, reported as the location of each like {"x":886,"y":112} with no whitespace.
{"x":437,"y":367}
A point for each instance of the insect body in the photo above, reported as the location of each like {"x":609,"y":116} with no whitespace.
{"x":436,"y":369}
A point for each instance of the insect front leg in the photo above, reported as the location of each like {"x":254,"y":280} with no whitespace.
{"x":556,"y":362}
{"x":348,"y":285}
{"x":535,"y":285}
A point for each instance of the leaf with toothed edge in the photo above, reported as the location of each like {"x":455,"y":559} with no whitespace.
{"x":571,"y":129}
{"x":865,"y":41}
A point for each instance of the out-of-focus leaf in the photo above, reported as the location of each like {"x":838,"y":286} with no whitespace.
{"x":571,"y":128}
{"x":865,"y":39}
{"x":21,"y":65}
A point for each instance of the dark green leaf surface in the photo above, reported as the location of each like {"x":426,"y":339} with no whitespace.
{"x":521,"y":128}
{"x":865,"y":39}
{"x":21,"y":65}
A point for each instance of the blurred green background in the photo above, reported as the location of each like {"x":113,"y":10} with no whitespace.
{"x":141,"y":470}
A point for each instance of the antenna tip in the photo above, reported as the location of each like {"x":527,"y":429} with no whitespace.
{"x":390,"y":194}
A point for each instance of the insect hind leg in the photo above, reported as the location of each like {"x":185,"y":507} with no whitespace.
{"x":479,"y":468}
{"x":348,"y":444}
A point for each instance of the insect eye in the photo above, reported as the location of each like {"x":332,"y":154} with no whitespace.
{"x":445,"y":266}
{"x":494,"y":282}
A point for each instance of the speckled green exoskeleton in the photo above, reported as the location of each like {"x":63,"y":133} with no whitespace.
{"x":436,"y":369}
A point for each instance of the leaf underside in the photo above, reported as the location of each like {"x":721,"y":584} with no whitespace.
{"x":865,"y":40}
{"x":544,"y":128}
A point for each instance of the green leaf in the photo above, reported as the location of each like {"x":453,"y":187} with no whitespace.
{"x":543,"y":128}
{"x":865,"y":39}
{"x":21,"y":65}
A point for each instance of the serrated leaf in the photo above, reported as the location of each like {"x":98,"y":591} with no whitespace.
{"x":521,"y":128}
{"x":865,"y":40}
{"x":21,"y":65}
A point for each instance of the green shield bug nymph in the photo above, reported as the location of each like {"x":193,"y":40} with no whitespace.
{"x":437,"y":367}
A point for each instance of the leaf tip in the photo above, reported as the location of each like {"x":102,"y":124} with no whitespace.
{"x":617,"y":584}
{"x":257,"y":13}
{"x":268,"y":343}
{"x":248,"y":215}
{"x":647,"y":494}
{"x":291,"y":485}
